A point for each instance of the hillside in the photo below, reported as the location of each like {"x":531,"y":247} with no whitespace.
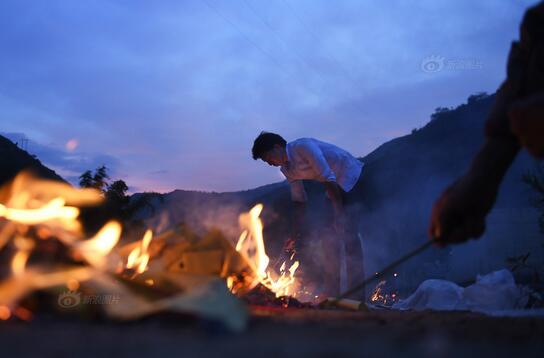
{"x":15,"y":160}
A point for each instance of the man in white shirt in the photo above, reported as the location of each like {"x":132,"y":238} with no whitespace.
{"x":338,"y":170}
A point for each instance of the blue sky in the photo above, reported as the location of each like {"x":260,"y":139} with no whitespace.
{"x":171,"y":94}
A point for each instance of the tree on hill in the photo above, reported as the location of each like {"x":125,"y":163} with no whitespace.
{"x":478,"y":96}
{"x":117,"y":191}
{"x":86,"y":179}
{"x":439,"y":111}
{"x":98,"y":180}
{"x":118,"y":203}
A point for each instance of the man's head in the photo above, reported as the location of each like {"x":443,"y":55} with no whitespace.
{"x":270,"y":147}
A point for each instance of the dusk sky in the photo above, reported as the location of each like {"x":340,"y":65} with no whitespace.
{"x":171,"y":94}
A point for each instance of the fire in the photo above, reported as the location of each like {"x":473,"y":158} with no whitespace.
{"x":251,"y":246}
{"x":96,"y":249}
{"x":19,"y":260}
{"x":138,"y":258}
{"x":47,"y":209}
{"x":54,"y":209}
{"x":32,"y":210}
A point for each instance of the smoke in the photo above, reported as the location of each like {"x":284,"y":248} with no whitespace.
{"x":394,"y":219}
{"x":200,"y":212}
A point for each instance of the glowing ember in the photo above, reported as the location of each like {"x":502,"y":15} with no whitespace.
{"x":251,"y":246}
{"x":377,"y":295}
{"x":381,"y":296}
{"x":5,"y":313}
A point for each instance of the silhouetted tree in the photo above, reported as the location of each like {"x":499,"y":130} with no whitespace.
{"x":117,"y":191}
{"x":118,"y":203}
{"x":100,"y":178}
{"x":476,"y":97}
{"x":86,"y":180}
{"x":439,"y":111}
{"x":143,"y":200}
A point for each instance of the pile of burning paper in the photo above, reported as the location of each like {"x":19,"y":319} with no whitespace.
{"x":43,"y":239}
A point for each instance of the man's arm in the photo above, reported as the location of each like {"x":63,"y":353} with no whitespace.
{"x":335,"y":194}
{"x":315,"y":157}
{"x":313,"y":154}
{"x":527,"y":123}
{"x":299,"y":211}
{"x":460,"y":212}
{"x":298,"y":198}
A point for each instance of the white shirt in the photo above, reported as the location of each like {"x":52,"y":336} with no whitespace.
{"x":311,"y":159}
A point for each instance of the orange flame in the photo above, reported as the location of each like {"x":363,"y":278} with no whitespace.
{"x":18,"y":263}
{"x":138,"y":258}
{"x":54,"y":209}
{"x":95,"y":249}
{"x":251,"y":246}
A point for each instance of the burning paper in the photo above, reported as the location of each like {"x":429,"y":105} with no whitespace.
{"x":34,"y":211}
{"x":251,"y":246}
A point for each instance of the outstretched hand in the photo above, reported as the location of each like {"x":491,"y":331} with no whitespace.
{"x":459,"y":214}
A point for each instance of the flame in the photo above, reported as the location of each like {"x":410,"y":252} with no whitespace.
{"x":45,"y":204}
{"x":138,"y":258}
{"x":54,"y":209}
{"x":251,"y":240}
{"x":251,"y":246}
{"x":97,"y":248}
{"x":230,"y":282}
{"x":24,"y":247}
{"x":72,"y":284}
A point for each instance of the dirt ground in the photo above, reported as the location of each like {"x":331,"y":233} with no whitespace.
{"x":283,"y":333}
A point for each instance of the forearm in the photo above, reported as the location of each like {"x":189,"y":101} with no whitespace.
{"x":335,"y":194}
{"x":299,"y":210}
{"x":492,"y":161}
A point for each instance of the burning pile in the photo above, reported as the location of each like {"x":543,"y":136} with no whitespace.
{"x":251,"y":246}
{"x":178,"y":271}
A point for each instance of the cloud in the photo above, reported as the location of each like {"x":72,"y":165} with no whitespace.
{"x":186,"y":86}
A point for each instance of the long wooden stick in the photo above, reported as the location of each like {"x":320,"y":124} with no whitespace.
{"x":384,"y":271}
